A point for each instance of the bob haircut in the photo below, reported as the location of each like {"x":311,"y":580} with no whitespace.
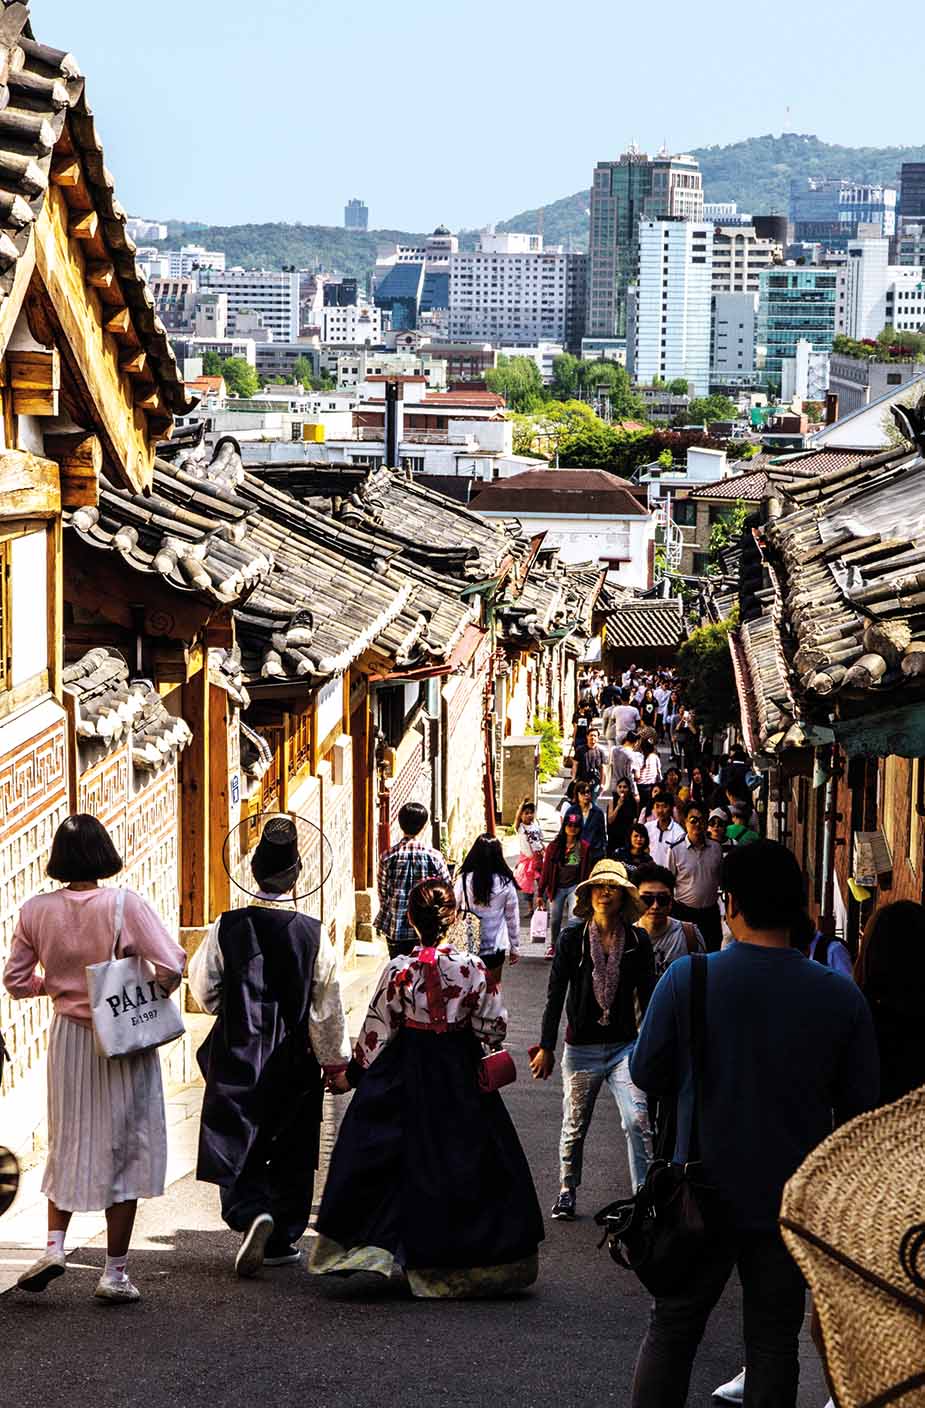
{"x":82,"y":850}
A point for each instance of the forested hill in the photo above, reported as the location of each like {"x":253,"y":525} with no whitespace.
{"x":756,"y":173}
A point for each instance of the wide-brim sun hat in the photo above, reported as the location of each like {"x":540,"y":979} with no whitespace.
{"x":613,"y":872}
{"x":852,"y":1218}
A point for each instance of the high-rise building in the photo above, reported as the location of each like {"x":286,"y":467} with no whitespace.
{"x":271,"y":294}
{"x":794,"y":303}
{"x":734,"y":320}
{"x":513,"y":292}
{"x":671,"y":308}
{"x":622,"y":193}
{"x":356,"y":215}
{"x":873,"y":293}
{"x":912,"y":190}
{"x":910,"y":243}
{"x":827,"y":211}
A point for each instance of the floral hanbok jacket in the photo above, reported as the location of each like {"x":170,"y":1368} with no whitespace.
{"x":405,"y":996}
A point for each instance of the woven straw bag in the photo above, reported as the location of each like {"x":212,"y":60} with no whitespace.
{"x":853,"y":1217}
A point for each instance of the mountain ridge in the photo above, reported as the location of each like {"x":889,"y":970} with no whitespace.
{"x":755,"y":172}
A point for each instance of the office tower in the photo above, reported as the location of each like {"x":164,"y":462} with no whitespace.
{"x":795,"y":303}
{"x":912,"y":191}
{"x":272,"y":294}
{"x":739,"y":256}
{"x":827,"y":211}
{"x":356,"y":215}
{"x":622,"y":193}
{"x":672,"y":304}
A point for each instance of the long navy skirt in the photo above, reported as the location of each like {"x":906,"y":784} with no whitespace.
{"x":428,"y":1174}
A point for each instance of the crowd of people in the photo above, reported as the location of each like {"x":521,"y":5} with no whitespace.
{"x":658,"y":858}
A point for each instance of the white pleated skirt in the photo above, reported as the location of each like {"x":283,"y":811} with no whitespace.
{"x":107,"y":1134}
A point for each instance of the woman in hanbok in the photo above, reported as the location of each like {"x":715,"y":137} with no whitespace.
{"x":428,"y":1175}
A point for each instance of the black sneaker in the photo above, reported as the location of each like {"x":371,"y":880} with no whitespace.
{"x":253,"y":1245}
{"x":279,"y":1254}
{"x":564,"y":1207}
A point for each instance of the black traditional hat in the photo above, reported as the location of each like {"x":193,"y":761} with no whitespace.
{"x":277,"y":850}
{"x":278,"y":845}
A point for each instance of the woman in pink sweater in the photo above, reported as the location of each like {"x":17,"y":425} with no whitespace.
{"x":107,"y":1138}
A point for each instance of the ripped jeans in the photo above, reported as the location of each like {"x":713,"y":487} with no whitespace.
{"x":584,"y":1071}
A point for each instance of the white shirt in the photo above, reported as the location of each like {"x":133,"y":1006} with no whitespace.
{"x":625,"y":719}
{"x":660,"y":842}
{"x":499,"y":918}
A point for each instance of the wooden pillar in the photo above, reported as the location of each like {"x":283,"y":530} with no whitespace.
{"x":285,"y":754}
{"x":194,"y":802}
{"x":73,"y":758}
{"x":54,"y":609}
{"x":362,"y":792}
{"x":221,"y":814}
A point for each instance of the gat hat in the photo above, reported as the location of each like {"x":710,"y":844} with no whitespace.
{"x":852,"y":1219}
{"x":284,"y":844}
{"x":277,"y":850}
{"x":613,"y":872}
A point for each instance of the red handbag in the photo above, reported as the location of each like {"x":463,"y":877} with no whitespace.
{"x":495,"y":1071}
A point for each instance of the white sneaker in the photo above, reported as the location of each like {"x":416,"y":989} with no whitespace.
{"x":733,"y":1392}
{"x":122,"y":1292}
{"x":250,"y":1253}
{"x":48,"y":1268}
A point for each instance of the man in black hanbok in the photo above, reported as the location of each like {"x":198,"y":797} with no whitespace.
{"x":270,"y":976}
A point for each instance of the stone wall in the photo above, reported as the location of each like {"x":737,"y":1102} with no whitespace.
{"x":463,"y":704}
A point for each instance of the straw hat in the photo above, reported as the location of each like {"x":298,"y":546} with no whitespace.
{"x":852,"y":1219}
{"x":613,"y":872}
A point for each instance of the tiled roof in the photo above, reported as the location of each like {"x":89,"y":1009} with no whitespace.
{"x":637,"y":624}
{"x":845,"y":631}
{"x":813,"y":462}
{"x":750,"y":487}
{"x":552,"y":601}
{"x":559,"y":492}
{"x":42,"y":92}
{"x":108,"y":704}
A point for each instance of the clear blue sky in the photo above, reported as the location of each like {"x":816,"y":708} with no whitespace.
{"x":258,"y":110}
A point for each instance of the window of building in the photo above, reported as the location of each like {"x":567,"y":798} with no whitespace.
{"x":684,"y":513}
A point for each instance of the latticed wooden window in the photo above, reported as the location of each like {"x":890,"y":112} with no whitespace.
{"x":300,"y":743}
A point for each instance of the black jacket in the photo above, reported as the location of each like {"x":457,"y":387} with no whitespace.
{"x":571,"y":986}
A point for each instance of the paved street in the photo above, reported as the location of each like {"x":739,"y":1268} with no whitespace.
{"x":201,"y":1337}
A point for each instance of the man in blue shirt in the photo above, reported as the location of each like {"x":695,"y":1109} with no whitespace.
{"x":789,"y":1053}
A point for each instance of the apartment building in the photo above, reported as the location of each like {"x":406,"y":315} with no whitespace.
{"x":272,"y":294}
{"x":622,"y":193}
{"x":859,"y":381}
{"x":513,"y":292}
{"x":671,"y":322}
{"x":740,"y":256}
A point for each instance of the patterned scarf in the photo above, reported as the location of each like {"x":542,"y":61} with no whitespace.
{"x":606,"y":969}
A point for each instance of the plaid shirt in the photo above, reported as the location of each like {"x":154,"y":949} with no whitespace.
{"x":400,"y":869}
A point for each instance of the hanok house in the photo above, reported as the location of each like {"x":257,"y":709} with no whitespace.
{"x":640,"y":632}
{"x":830,"y":667}
{"x":88,"y":385}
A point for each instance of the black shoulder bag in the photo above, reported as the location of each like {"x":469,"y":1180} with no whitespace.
{"x":659,"y":1233}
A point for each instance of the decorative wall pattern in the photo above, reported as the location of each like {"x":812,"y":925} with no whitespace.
{"x":33,"y":803}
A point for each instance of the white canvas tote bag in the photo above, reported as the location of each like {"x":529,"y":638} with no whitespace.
{"x":131,"y":1010}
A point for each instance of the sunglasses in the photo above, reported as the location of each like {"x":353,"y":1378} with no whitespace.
{"x":698,"y":819}
{"x":660,"y":900}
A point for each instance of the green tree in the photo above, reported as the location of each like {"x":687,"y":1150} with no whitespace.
{"x":679,"y":386}
{"x":566,"y":377}
{"x":518,"y":380}
{"x":240,"y":377}
{"x":726,"y":530}
{"x":211,"y":364}
{"x":610,"y":379}
{"x":706,"y":408}
{"x":303,"y":372}
{"x":665,"y":460}
{"x":705,"y":665}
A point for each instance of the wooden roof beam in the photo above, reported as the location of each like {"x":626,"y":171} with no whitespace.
{"x":35,"y":378}
{"x":80,"y":457}
{"x":84,"y":226}
{"x":100,"y":273}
